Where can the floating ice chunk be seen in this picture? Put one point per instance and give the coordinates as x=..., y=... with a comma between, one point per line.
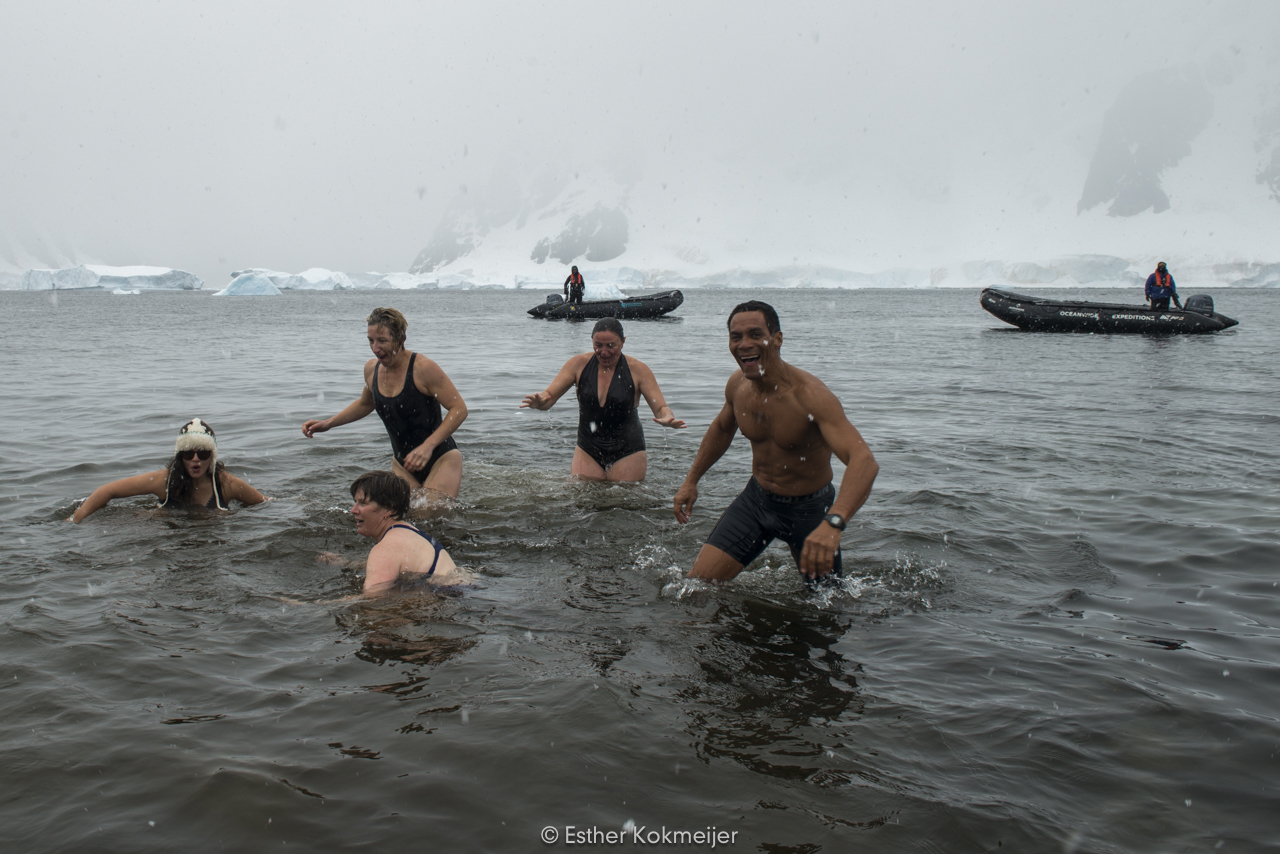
x=97, y=276
x=314, y=279
x=147, y=278
x=602, y=290
x=37, y=280
x=77, y=277
x=365, y=280
x=249, y=285
x=320, y=279
x=121, y=292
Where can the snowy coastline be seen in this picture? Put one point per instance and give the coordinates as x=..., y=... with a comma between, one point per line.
x=1091, y=271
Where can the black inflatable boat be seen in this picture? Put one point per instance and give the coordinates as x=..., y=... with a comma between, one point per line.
x=652, y=305
x=1046, y=315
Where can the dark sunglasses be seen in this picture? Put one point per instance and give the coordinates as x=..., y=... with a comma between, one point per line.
x=190, y=455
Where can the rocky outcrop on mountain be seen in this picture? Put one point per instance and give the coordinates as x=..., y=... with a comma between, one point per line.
x=600, y=234
x=1147, y=130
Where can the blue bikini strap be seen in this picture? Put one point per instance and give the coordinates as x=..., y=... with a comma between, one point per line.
x=435, y=544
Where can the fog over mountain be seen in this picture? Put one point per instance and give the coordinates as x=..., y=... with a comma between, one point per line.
x=505, y=141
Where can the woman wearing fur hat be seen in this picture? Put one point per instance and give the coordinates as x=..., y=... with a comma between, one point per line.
x=193, y=478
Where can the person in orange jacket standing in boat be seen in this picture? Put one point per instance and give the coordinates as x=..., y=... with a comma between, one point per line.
x=574, y=287
x=1160, y=289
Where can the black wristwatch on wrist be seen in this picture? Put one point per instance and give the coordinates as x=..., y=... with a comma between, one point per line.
x=835, y=520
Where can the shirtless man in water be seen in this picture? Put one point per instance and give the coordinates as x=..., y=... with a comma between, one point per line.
x=794, y=424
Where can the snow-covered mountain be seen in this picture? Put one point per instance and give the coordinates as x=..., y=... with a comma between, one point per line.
x=1182, y=165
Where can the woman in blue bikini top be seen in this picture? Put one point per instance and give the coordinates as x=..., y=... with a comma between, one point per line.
x=400, y=549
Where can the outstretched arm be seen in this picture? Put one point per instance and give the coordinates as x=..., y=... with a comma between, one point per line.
x=818, y=555
x=433, y=381
x=716, y=441
x=354, y=411
x=563, y=381
x=647, y=385
x=153, y=483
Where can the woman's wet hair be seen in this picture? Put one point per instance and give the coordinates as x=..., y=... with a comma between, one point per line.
x=393, y=320
x=608, y=324
x=385, y=489
x=770, y=316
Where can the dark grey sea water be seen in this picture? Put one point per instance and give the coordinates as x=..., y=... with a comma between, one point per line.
x=1059, y=632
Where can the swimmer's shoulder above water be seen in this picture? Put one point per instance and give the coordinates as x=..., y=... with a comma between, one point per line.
x=193, y=478
x=401, y=552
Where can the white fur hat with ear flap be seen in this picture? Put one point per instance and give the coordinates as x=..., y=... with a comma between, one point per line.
x=195, y=435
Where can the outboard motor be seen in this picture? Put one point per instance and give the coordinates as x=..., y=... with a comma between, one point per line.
x=554, y=300
x=1200, y=303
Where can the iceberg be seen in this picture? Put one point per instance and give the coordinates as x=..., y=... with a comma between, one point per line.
x=366, y=280
x=147, y=278
x=37, y=280
x=249, y=285
x=601, y=290
x=320, y=279
x=315, y=279
x=49, y=280
x=78, y=277
x=98, y=276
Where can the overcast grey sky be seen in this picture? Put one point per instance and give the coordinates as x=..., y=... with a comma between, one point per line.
x=288, y=135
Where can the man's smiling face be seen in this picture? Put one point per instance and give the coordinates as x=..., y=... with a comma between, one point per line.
x=751, y=343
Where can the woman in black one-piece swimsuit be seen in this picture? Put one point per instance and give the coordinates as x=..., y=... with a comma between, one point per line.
x=421, y=436
x=610, y=436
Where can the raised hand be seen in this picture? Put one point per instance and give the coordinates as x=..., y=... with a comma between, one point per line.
x=540, y=401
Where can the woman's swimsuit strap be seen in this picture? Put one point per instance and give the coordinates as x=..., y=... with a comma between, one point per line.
x=435, y=544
